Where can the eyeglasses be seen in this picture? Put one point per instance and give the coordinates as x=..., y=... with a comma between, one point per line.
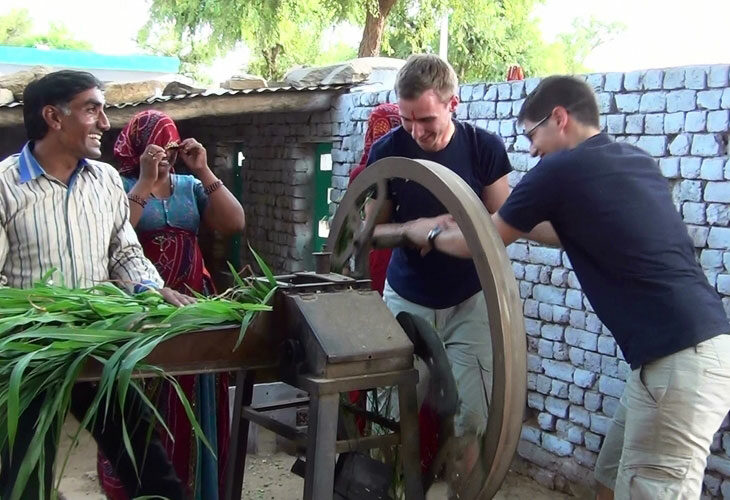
x=530, y=132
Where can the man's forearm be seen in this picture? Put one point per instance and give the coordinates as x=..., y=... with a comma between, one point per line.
x=389, y=235
x=544, y=233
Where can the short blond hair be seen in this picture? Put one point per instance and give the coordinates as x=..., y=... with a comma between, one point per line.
x=423, y=72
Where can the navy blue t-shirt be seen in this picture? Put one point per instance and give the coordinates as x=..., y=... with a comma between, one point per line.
x=437, y=280
x=613, y=212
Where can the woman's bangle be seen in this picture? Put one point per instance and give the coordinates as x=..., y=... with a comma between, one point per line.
x=137, y=199
x=213, y=186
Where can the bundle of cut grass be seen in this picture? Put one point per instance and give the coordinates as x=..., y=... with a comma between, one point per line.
x=48, y=333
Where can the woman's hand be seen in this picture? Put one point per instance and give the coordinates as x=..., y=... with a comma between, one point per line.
x=194, y=156
x=149, y=162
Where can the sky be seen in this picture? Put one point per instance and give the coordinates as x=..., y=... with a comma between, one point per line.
x=659, y=33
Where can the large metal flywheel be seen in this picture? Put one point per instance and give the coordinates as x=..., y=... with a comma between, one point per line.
x=350, y=238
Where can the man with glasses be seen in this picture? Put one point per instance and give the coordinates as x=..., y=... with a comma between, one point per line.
x=613, y=212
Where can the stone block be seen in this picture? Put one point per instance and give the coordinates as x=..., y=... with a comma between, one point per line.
x=504, y=91
x=575, y=394
x=534, y=363
x=718, y=121
x=545, y=312
x=549, y=294
x=718, y=191
x=545, y=348
x=693, y=213
x=680, y=145
x=544, y=384
x=576, y=355
x=718, y=76
x=531, y=434
x=652, y=79
x=706, y=145
x=552, y=332
x=557, y=446
x=653, y=102
x=584, y=378
x=579, y=416
x=593, y=441
x=532, y=327
x=575, y=434
x=681, y=100
x=696, y=77
x=711, y=259
x=719, y=464
x=592, y=362
x=655, y=145
x=560, y=351
x=609, y=366
x=696, y=121
x=709, y=99
x=712, y=169
x=561, y=315
x=544, y=255
x=674, y=78
x=574, y=298
x=558, y=369
x=610, y=386
x=585, y=457
x=557, y=407
x=482, y=109
x=628, y=103
x=615, y=124
x=581, y=338
x=690, y=190
x=654, y=124
x=605, y=103
x=593, y=401
x=613, y=82
x=717, y=214
x=577, y=319
x=600, y=424
x=559, y=390
x=632, y=80
x=546, y=421
x=674, y=123
x=536, y=401
x=698, y=234
x=607, y=345
x=609, y=405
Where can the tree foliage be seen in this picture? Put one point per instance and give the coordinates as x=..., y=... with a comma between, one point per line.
x=16, y=30
x=485, y=36
x=280, y=33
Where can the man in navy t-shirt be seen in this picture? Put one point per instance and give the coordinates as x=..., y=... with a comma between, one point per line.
x=442, y=289
x=613, y=212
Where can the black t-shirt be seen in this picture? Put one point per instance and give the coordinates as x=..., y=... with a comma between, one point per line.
x=438, y=280
x=613, y=212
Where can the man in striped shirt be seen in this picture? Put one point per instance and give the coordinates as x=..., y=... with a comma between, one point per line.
x=61, y=209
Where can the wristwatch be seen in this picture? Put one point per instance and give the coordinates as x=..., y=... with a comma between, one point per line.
x=432, y=234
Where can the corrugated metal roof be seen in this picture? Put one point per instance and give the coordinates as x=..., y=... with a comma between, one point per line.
x=215, y=93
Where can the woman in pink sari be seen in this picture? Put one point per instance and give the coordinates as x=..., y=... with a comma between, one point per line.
x=166, y=210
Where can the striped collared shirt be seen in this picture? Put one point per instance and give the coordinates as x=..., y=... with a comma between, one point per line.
x=82, y=229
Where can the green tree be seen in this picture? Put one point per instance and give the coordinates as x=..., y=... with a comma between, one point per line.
x=280, y=33
x=568, y=53
x=485, y=36
x=16, y=30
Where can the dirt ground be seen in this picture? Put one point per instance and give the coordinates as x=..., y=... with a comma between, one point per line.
x=266, y=478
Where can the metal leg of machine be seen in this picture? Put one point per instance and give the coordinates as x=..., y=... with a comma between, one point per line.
x=409, y=440
x=239, y=435
x=321, y=442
